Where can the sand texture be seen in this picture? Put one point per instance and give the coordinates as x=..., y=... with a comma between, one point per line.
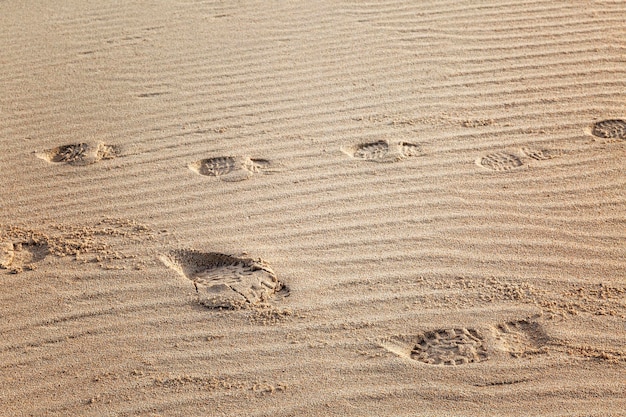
x=313, y=208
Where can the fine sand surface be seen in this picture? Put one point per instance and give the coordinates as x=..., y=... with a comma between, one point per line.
x=313, y=208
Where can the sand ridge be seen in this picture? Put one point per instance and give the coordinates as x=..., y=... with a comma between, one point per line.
x=442, y=232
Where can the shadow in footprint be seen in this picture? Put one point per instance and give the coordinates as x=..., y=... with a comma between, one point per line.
x=17, y=257
x=542, y=154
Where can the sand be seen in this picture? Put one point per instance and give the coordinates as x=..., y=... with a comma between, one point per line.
x=328, y=208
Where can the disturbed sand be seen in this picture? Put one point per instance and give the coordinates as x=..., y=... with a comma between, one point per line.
x=342, y=208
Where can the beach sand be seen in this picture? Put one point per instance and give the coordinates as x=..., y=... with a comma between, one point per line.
x=329, y=208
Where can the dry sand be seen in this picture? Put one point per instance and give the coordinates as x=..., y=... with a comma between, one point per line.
x=395, y=208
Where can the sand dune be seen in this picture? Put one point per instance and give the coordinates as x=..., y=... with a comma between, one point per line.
x=270, y=208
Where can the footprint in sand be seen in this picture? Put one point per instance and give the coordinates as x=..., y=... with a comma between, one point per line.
x=225, y=281
x=520, y=338
x=542, y=154
x=382, y=151
x=460, y=346
x=450, y=347
x=454, y=346
x=609, y=129
x=500, y=161
x=17, y=257
x=230, y=168
x=79, y=153
x=507, y=161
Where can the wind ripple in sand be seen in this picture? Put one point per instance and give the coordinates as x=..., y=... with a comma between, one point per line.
x=287, y=79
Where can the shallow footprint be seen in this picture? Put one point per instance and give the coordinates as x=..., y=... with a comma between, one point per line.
x=500, y=161
x=520, y=338
x=225, y=281
x=542, y=154
x=372, y=150
x=79, y=153
x=450, y=347
x=383, y=151
x=230, y=168
x=612, y=128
